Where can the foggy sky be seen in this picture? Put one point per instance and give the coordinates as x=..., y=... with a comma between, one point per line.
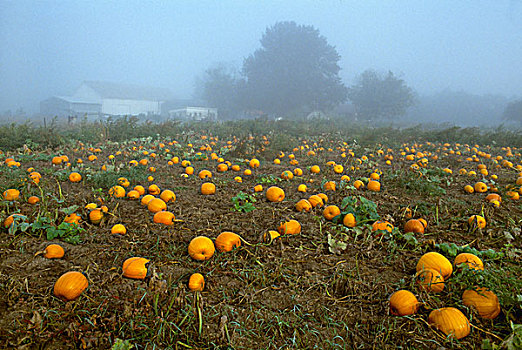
x=49, y=47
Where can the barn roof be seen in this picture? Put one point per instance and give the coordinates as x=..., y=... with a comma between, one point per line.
x=128, y=92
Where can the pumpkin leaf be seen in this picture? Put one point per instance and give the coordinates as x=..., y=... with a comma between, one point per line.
x=336, y=246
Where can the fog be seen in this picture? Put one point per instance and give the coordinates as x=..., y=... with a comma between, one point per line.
x=48, y=48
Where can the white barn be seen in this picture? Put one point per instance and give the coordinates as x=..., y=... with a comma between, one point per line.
x=194, y=113
x=106, y=98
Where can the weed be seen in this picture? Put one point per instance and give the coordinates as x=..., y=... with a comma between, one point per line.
x=243, y=202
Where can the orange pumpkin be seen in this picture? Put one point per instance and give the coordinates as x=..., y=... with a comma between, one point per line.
x=349, y=220
x=484, y=301
x=469, y=259
x=331, y=211
x=430, y=280
x=196, y=282
x=227, y=241
x=477, y=221
x=403, y=303
x=208, y=188
x=54, y=251
x=437, y=262
x=70, y=285
x=275, y=194
x=11, y=194
x=136, y=268
x=450, y=321
x=95, y=216
x=316, y=201
x=33, y=200
x=75, y=177
x=374, y=186
x=164, y=217
x=146, y=199
x=303, y=205
x=291, y=227
x=156, y=204
x=201, y=248
x=414, y=226
x=118, y=229
x=168, y=196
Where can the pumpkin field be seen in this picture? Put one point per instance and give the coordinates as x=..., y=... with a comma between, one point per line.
x=259, y=235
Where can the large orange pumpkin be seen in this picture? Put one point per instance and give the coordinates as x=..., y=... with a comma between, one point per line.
x=201, y=248
x=70, y=285
x=484, y=301
x=275, y=194
x=403, y=303
x=450, y=321
x=227, y=241
x=469, y=259
x=136, y=268
x=291, y=227
x=437, y=262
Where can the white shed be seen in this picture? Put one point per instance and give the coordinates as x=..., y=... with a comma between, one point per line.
x=123, y=99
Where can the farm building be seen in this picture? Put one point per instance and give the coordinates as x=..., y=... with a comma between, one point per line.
x=194, y=113
x=106, y=98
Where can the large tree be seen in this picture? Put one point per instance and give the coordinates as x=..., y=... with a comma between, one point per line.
x=513, y=111
x=219, y=88
x=380, y=96
x=294, y=70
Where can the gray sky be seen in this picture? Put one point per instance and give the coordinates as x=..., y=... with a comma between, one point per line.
x=49, y=47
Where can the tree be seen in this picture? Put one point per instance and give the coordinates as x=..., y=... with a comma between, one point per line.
x=219, y=87
x=294, y=70
x=380, y=96
x=513, y=111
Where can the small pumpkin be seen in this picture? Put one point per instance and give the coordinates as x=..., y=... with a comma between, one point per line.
x=11, y=194
x=33, y=200
x=331, y=212
x=54, y=251
x=414, y=226
x=96, y=216
x=168, y=196
x=349, y=220
x=450, y=321
x=437, y=262
x=477, y=221
x=469, y=259
x=303, y=205
x=208, y=188
x=403, y=303
x=118, y=229
x=196, y=282
x=201, y=248
x=75, y=177
x=484, y=301
x=117, y=191
x=226, y=241
x=136, y=268
x=270, y=236
x=316, y=201
x=374, y=185
x=70, y=285
x=291, y=227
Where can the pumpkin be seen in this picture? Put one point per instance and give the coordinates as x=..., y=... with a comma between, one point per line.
x=140, y=189
x=303, y=205
x=291, y=227
x=381, y=225
x=338, y=169
x=270, y=236
x=11, y=194
x=358, y=184
x=349, y=220
x=403, y=303
x=331, y=211
x=494, y=197
x=316, y=201
x=480, y=187
x=54, y=251
x=275, y=194
x=154, y=190
x=437, y=262
x=118, y=229
x=57, y=160
x=164, y=217
x=133, y=194
x=123, y=181
x=469, y=259
x=146, y=199
x=469, y=189
x=117, y=191
x=196, y=282
x=201, y=248
x=96, y=216
x=414, y=226
x=168, y=196
x=33, y=200
x=484, y=301
x=315, y=169
x=70, y=285
x=222, y=167
x=287, y=175
x=136, y=268
x=156, y=204
x=208, y=188
x=298, y=172
x=477, y=221
x=450, y=321
x=254, y=163
x=227, y=241
x=75, y=177
x=203, y=174
x=374, y=185
x=430, y=280
x=329, y=186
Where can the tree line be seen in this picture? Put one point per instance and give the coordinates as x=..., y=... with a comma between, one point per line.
x=296, y=71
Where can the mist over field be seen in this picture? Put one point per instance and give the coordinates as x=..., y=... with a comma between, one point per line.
x=406, y=61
